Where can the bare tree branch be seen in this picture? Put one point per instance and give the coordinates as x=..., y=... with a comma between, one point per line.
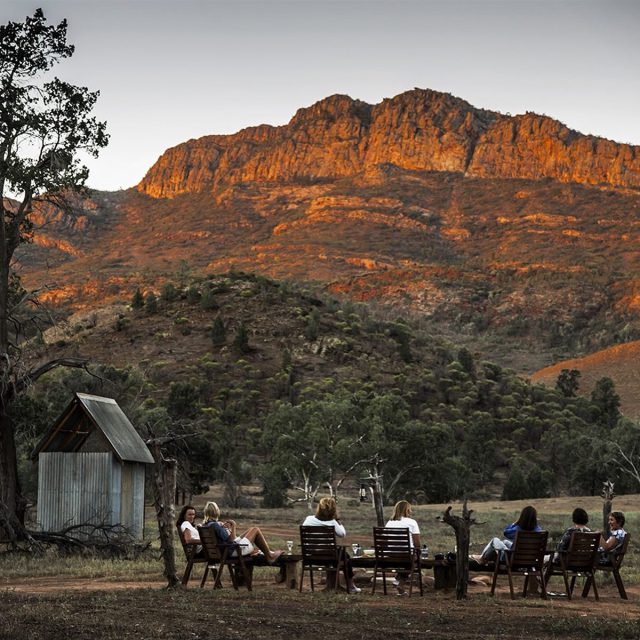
x=32, y=375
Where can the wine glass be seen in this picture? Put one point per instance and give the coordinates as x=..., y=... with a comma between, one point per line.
x=289, y=546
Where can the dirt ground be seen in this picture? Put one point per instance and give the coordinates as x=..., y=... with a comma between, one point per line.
x=51, y=608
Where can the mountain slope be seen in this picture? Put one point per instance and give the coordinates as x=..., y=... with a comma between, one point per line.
x=516, y=236
x=621, y=363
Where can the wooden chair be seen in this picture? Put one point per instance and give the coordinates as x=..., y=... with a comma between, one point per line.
x=613, y=564
x=192, y=556
x=394, y=553
x=220, y=554
x=579, y=560
x=526, y=557
x=320, y=551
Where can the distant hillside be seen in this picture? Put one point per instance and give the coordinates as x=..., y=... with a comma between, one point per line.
x=245, y=362
x=515, y=235
x=620, y=363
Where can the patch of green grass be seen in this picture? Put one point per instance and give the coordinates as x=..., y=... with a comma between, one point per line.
x=22, y=565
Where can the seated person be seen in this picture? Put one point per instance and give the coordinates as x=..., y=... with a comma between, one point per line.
x=327, y=516
x=186, y=524
x=527, y=521
x=401, y=520
x=613, y=543
x=580, y=518
x=247, y=542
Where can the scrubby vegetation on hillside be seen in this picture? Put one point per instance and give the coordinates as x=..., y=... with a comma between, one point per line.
x=307, y=395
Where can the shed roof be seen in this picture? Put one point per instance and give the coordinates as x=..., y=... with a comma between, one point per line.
x=70, y=430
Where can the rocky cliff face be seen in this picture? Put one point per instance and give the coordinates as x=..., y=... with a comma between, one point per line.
x=418, y=130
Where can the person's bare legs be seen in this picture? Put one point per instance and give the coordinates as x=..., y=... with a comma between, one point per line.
x=256, y=537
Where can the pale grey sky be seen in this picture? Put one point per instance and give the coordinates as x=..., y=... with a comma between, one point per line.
x=173, y=70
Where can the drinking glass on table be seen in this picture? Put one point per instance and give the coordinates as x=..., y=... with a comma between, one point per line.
x=356, y=548
x=289, y=546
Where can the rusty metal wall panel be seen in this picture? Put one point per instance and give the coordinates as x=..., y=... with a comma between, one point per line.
x=132, y=506
x=74, y=488
x=138, y=497
x=126, y=506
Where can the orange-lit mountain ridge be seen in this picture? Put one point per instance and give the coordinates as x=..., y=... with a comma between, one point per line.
x=420, y=130
x=515, y=235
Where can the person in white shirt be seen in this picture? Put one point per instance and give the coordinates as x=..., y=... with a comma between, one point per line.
x=616, y=538
x=186, y=521
x=401, y=520
x=247, y=542
x=327, y=516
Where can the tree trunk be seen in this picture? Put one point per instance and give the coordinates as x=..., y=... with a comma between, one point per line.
x=462, y=528
x=376, y=489
x=165, y=473
x=10, y=492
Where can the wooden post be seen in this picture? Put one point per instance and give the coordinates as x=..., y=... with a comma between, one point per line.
x=608, y=495
x=462, y=528
x=165, y=474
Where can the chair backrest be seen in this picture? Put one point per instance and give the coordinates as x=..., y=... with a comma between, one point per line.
x=583, y=550
x=210, y=544
x=188, y=549
x=392, y=545
x=318, y=545
x=528, y=549
x=617, y=556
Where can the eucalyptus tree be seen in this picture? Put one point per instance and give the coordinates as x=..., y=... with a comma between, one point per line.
x=45, y=124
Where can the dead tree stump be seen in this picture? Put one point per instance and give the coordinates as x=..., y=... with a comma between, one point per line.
x=165, y=471
x=607, y=495
x=462, y=527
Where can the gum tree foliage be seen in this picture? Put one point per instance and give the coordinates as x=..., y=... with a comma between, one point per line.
x=568, y=382
x=311, y=443
x=44, y=124
x=604, y=396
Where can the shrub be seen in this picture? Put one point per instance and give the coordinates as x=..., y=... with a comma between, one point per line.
x=137, y=301
x=218, y=332
x=168, y=293
x=313, y=325
x=208, y=300
x=151, y=303
x=193, y=295
x=241, y=340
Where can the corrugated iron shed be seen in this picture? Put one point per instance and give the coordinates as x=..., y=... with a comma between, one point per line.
x=84, y=414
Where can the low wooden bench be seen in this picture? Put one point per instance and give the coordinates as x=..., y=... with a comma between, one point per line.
x=287, y=565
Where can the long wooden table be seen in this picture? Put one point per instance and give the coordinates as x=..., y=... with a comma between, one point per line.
x=444, y=574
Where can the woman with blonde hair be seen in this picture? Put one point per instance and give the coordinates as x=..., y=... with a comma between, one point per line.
x=327, y=516
x=401, y=520
x=226, y=532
